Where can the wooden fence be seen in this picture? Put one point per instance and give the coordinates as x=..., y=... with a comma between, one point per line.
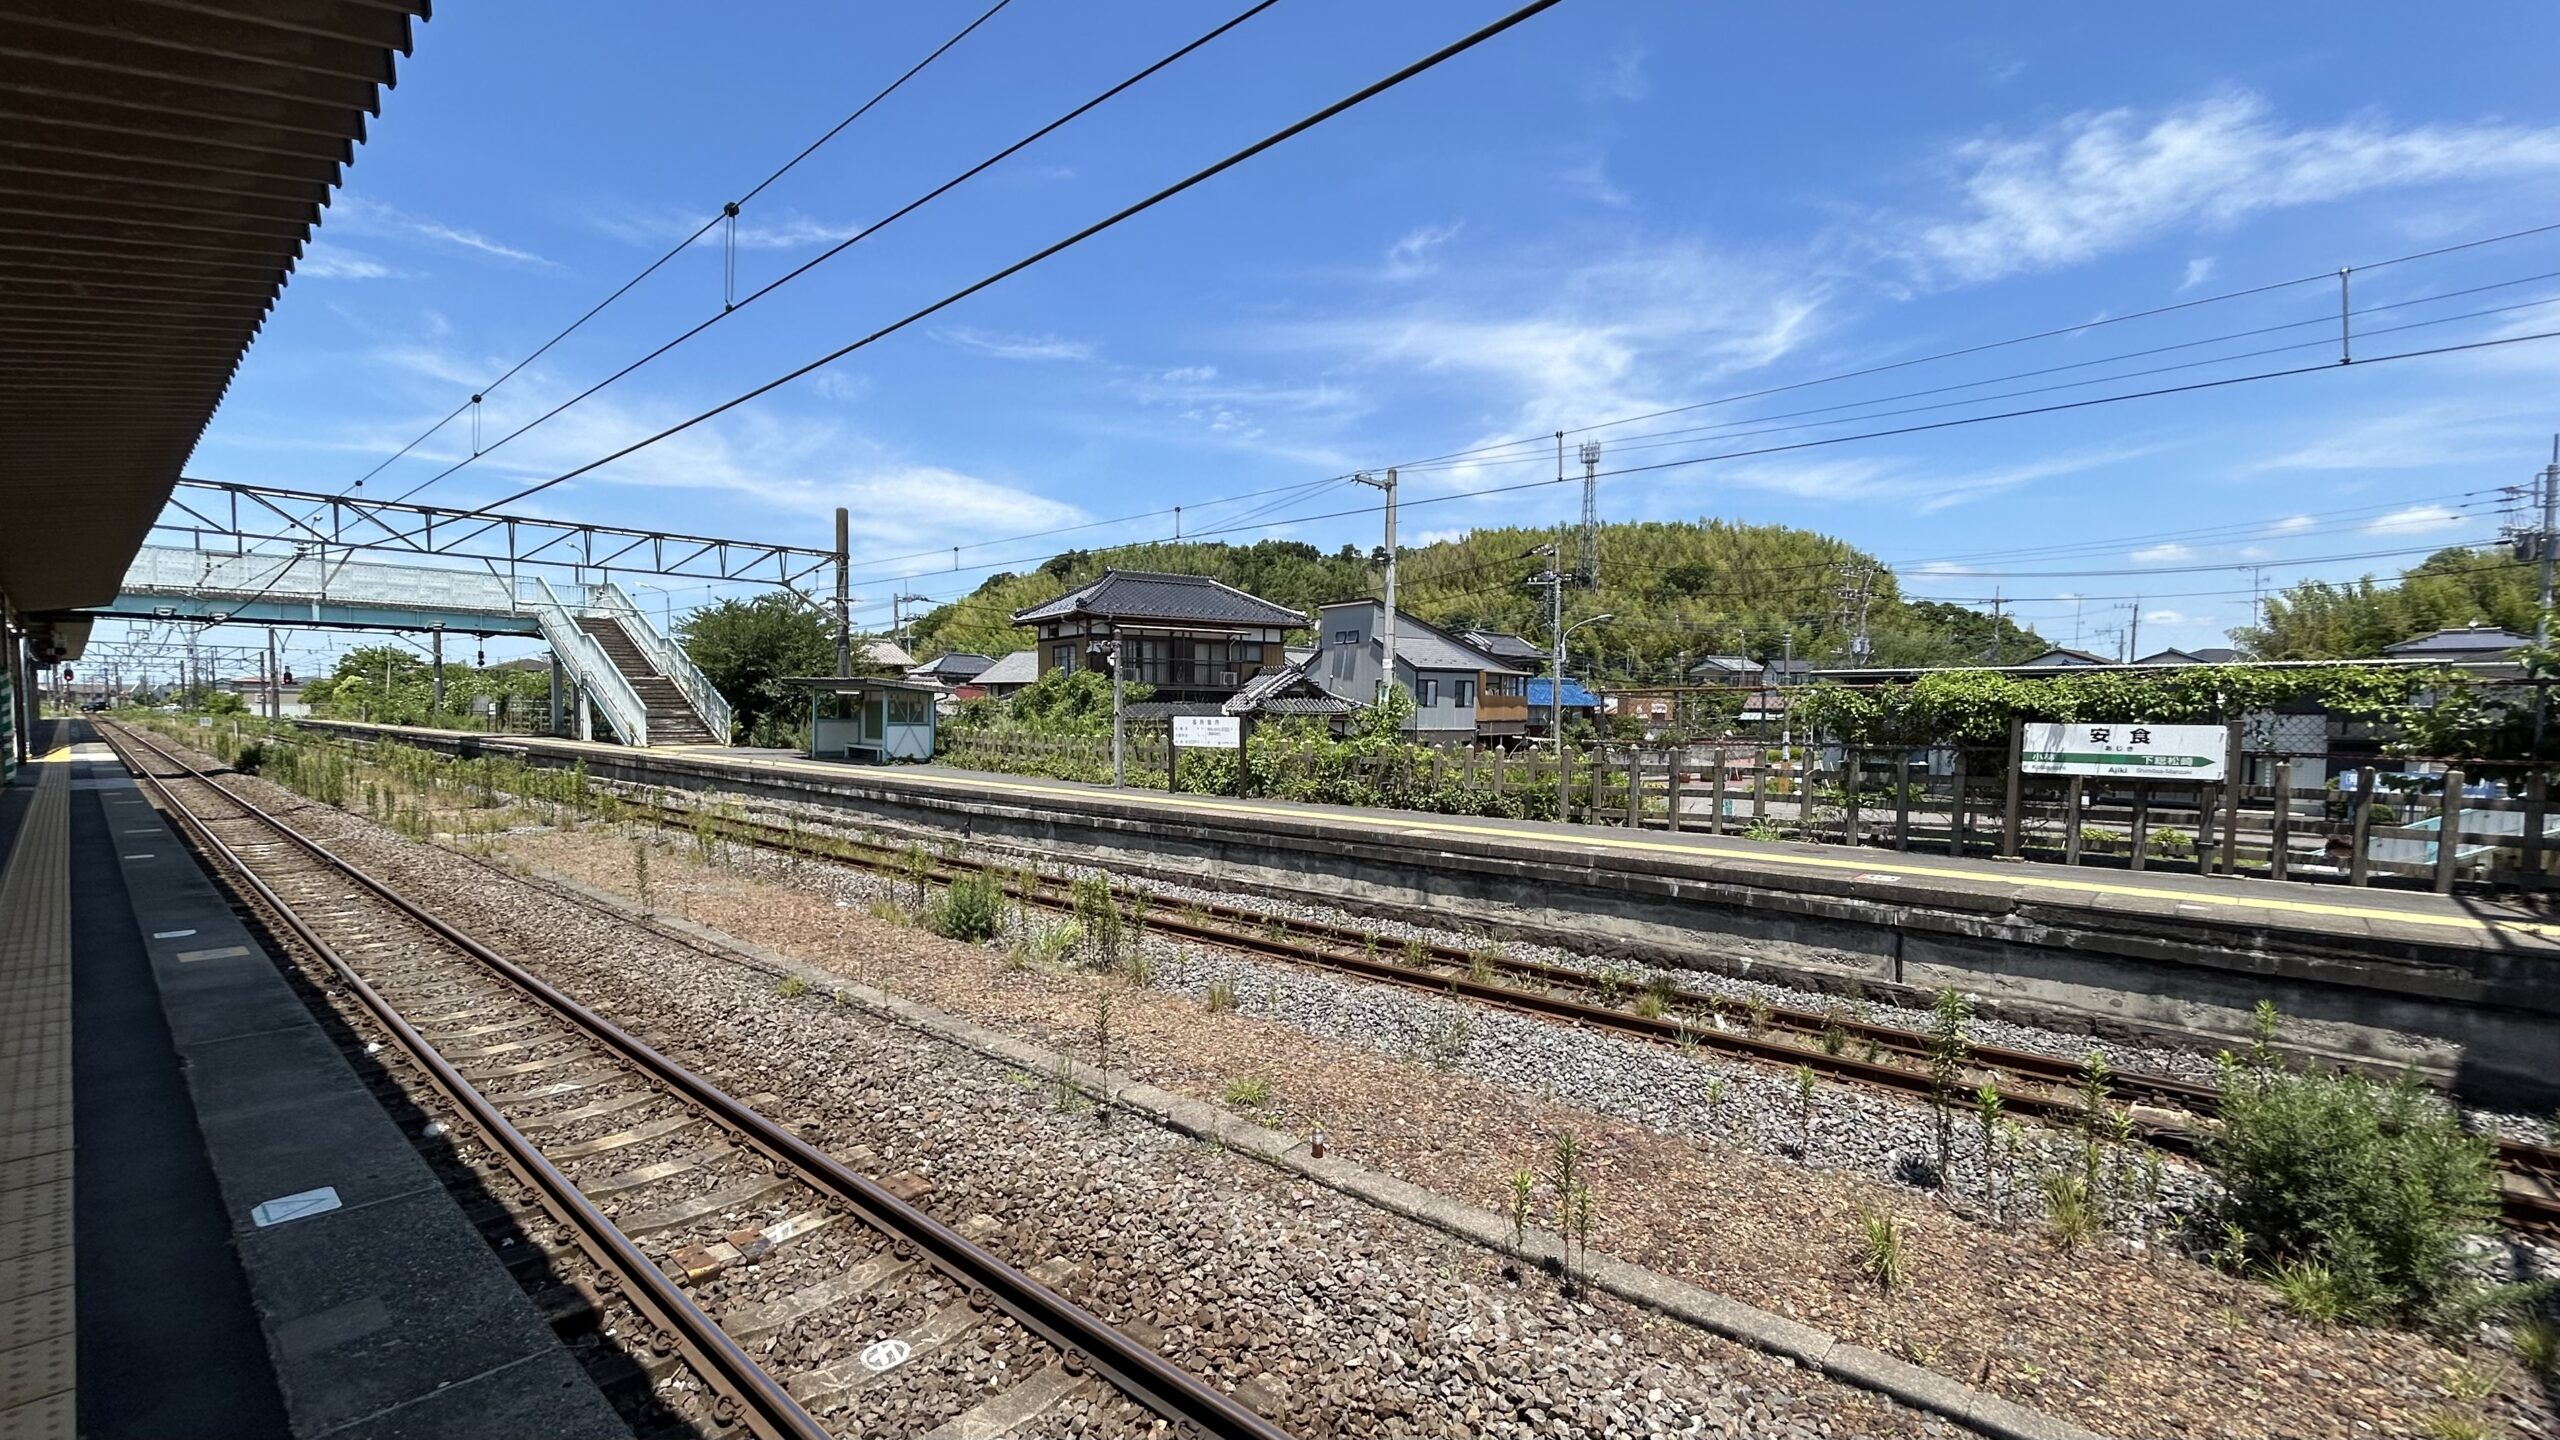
x=1928, y=799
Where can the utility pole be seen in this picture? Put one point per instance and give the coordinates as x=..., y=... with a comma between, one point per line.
x=1387, y=630
x=1553, y=583
x=1110, y=650
x=2542, y=611
x=1862, y=597
x=898, y=614
x=436, y=710
x=275, y=684
x=1588, y=574
x=1991, y=647
x=844, y=593
x=2133, y=631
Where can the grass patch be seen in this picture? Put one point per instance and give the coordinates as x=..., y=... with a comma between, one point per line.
x=1249, y=1093
x=1880, y=1256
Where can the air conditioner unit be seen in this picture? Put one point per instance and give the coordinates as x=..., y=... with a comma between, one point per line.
x=1227, y=677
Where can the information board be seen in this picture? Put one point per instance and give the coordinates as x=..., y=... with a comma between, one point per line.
x=1208, y=732
x=2126, y=752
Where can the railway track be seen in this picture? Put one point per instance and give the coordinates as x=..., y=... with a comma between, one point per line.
x=2167, y=1110
x=723, y=1228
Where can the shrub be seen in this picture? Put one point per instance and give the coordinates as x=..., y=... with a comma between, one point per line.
x=2070, y=1208
x=2538, y=1345
x=2174, y=843
x=1250, y=1093
x=2376, y=1184
x=792, y=988
x=2311, y=1290
x=1880, y=1256
x=972, y=909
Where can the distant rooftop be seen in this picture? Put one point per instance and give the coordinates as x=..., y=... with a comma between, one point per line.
x=1019, y=668
x=1154, y=595
x=1503, y=645
x=2468, y=640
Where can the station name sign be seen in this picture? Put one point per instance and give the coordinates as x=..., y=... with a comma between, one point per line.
x=1208, y=732
x=2126, y=752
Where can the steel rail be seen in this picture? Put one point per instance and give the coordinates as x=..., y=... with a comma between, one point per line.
x=1084, y=1338
x=761, y=1401
x=2529, y=1193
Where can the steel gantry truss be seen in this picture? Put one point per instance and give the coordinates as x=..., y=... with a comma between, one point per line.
x=229, y=516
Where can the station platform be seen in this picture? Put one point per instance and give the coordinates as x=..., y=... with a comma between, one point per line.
x=211, y=1225
x=2310, y=908
x=2465, y=988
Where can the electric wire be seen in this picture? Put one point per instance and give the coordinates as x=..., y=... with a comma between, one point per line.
x=840, y=247
x=1126, y=213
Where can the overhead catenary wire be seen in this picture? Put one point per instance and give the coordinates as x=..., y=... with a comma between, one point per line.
x=841, y=246
x=726, y=212
x=1543, y=443
x=2057, y=407
x=1128, y=212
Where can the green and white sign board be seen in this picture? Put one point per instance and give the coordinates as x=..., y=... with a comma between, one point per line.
x=2126, y=752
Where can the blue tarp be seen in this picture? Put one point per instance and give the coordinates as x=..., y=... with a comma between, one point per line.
x=1542, y=695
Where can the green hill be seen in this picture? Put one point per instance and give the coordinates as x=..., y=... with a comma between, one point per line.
x=1676, y=589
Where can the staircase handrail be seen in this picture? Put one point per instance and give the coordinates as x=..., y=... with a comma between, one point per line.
x=590, y=665
x=669, y=660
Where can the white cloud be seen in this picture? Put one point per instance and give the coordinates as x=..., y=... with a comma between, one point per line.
x=1590, y=179
x=360, y=216
x=2165, y=617
x=2199, y=270
x=1530, y=344
x=340, y=263
x=1925, y=487
x=1189, y=375
x=2257, y=552
x=1017, y=347
x=1624, y=77
x=2162, y=554
x=781, y=229
x=2417, y=438
x=2290, y=524
x=1410, y=255
x=2414, y=520
x=775, y=471
x=2102, y=181
x=1433, y=537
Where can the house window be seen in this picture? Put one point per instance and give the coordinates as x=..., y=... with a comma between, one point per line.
x=1430, y=692
x=1062, y=657
x=1346, y=637
x=1466, y=692
x=1244, y=652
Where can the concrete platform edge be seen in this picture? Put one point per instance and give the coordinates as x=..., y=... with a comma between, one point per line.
x=334, y=1292
x=1815, y=1349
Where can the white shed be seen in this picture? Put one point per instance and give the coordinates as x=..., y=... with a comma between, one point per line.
x=862, y=718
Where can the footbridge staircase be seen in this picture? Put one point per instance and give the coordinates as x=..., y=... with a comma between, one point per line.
x=637, y=680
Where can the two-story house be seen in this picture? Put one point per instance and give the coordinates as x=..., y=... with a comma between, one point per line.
x=1446, y=676
x=1189, y=636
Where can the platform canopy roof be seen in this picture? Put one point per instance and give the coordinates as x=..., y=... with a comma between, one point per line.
x=162, y=163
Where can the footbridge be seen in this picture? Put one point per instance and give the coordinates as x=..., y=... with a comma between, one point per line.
x=617, y=664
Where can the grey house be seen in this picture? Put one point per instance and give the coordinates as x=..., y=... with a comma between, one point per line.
x=1459, y=692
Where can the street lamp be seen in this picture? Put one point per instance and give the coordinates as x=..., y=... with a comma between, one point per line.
x=1564, y=772
x=666, y=603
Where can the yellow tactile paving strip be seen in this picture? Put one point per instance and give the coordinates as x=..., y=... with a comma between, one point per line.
x=37, y=1337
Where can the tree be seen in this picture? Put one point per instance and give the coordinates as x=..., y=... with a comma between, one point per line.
x=746, y=646
x=2352, y=620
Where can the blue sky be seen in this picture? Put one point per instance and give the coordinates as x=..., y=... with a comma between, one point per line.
x=1616, y=209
